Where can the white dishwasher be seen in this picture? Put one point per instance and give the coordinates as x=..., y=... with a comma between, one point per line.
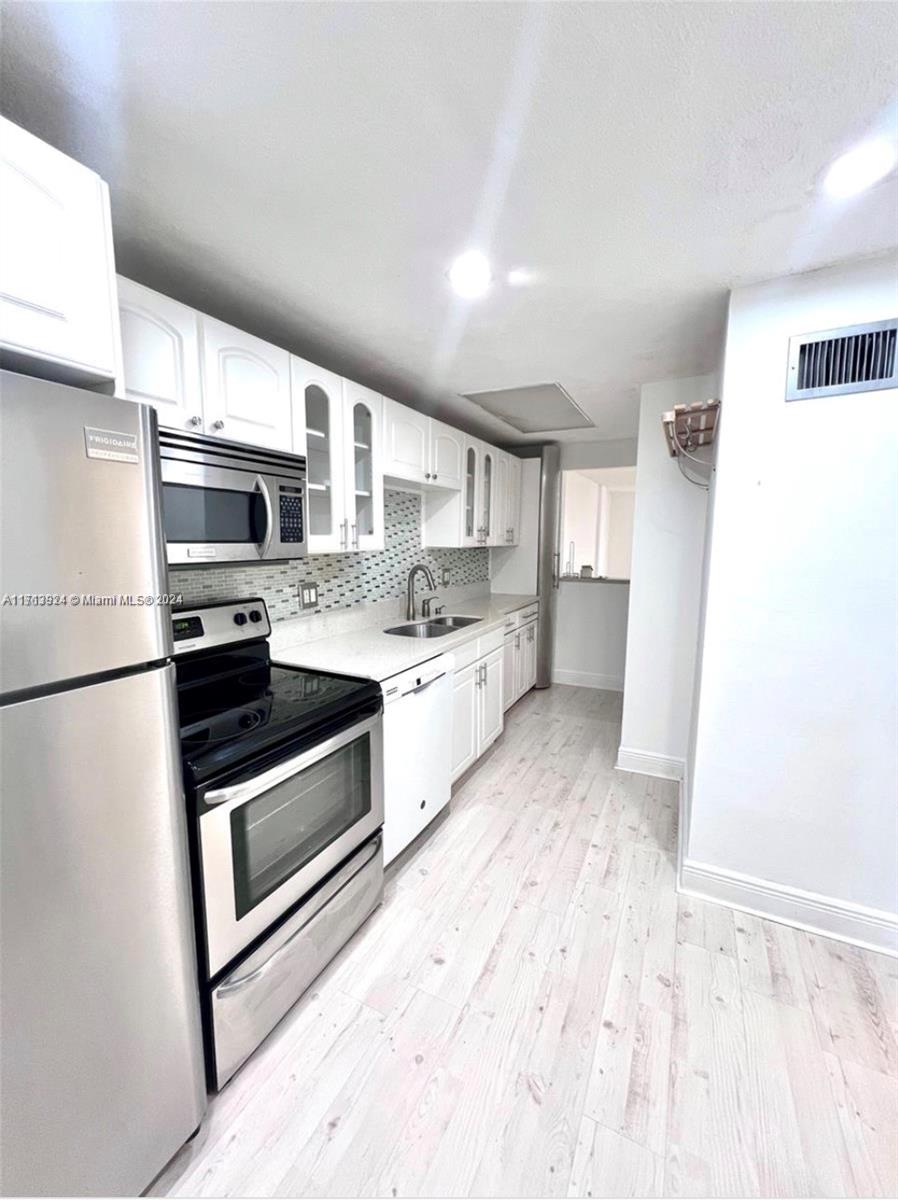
x=417, y=750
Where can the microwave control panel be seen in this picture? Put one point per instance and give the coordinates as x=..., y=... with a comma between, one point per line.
x=291, y=514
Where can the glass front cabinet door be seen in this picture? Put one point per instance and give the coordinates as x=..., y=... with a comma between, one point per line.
x=363, y=449
x=318, y=434
x=487, y=497
x=471, y=514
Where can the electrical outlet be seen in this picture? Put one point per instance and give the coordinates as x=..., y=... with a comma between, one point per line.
x=308, y=595
x=445, y=576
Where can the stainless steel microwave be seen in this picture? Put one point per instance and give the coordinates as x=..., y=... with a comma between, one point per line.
x=227, y=502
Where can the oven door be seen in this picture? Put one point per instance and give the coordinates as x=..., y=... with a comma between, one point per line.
x=266, y=840
x=217, y=514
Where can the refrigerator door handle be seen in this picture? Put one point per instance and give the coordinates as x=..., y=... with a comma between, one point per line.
x=556, y=569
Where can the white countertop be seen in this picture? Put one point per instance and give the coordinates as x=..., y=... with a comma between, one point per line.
x=373, y=654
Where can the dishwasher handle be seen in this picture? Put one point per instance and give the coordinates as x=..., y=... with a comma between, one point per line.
x=422, y=687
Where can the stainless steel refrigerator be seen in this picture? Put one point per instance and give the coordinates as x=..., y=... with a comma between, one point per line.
x=101, y=1070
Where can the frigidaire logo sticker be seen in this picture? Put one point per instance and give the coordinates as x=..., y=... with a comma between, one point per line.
x=111, y=445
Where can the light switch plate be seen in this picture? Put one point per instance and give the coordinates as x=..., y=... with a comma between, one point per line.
x=308, y=595
x=445, y=576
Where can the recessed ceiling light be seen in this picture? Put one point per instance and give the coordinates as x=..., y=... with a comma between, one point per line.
x=520, y=277
x=861, y=167
x=470, y=274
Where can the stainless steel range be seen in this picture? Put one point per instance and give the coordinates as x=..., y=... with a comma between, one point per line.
x=283, y=771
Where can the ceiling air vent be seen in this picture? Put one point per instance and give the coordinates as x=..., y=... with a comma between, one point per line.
x=860, y=358
x=534, y=408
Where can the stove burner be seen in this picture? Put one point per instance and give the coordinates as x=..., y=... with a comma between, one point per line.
x=237, y=707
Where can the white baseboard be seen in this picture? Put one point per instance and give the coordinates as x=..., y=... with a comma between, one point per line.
x=644, y=762
x=588, y=679
x=868, y=927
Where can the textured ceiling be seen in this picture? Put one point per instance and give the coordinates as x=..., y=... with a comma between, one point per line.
x=309, y=170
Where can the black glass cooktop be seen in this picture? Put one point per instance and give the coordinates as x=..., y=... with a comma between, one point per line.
x=238, y=706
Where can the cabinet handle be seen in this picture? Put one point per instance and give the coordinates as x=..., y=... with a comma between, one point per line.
x=434, y=476
x=426, y=474
x=517, y=641
x=355, y=536
x=218, y=424
x=195, y=422
x=344, y=534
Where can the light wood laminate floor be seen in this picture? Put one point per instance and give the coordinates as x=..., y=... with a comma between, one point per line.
x=535, y=1012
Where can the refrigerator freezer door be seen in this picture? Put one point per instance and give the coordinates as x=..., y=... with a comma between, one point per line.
x=548, y=566
x=101, y=1068
x=79, y=515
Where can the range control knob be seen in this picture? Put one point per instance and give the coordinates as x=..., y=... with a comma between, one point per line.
x=240, y=618
x=255, y=616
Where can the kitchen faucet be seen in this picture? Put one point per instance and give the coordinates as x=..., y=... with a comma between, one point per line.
x=410, y=613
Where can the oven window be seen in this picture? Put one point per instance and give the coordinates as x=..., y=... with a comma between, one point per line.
x=203, y=514
x=274, y=835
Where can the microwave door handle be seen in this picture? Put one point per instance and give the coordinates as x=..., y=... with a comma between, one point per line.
x=262, y=485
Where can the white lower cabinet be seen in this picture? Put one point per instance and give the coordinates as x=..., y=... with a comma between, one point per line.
x=527, y=658
x=491, y=711
x=464, y=718
x=477, y=713
x=518, y=658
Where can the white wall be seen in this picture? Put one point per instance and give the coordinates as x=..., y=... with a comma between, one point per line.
x=618, y=507
x=612, y=452
x=513, y=568
x=590, y=634
x=665, y=591
x=579, y=521
x=795, y=776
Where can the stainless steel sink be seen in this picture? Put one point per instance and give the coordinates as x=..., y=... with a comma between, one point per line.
x=420, y=629
x=434, y=627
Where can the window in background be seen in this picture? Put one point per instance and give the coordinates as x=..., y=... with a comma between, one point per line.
x=597, y=522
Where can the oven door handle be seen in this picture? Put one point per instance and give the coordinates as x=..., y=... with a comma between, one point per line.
x=235, y=985
x=262, y=485
x=239, y=793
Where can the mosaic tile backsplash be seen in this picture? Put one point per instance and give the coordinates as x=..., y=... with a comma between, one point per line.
x=343, y=579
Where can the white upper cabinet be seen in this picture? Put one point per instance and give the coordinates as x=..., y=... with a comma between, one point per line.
x=363, y=455
x=57, y=272
x=447, y=452
x=246, y=387
x=471, y=515
x=499, y=529
x=406, y=442
x=419, y=449
x=513, y=501
x=161, y=355
x=318, y=433
x=489, y=522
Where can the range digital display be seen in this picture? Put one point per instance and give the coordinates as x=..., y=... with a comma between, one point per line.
x=186, y=627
